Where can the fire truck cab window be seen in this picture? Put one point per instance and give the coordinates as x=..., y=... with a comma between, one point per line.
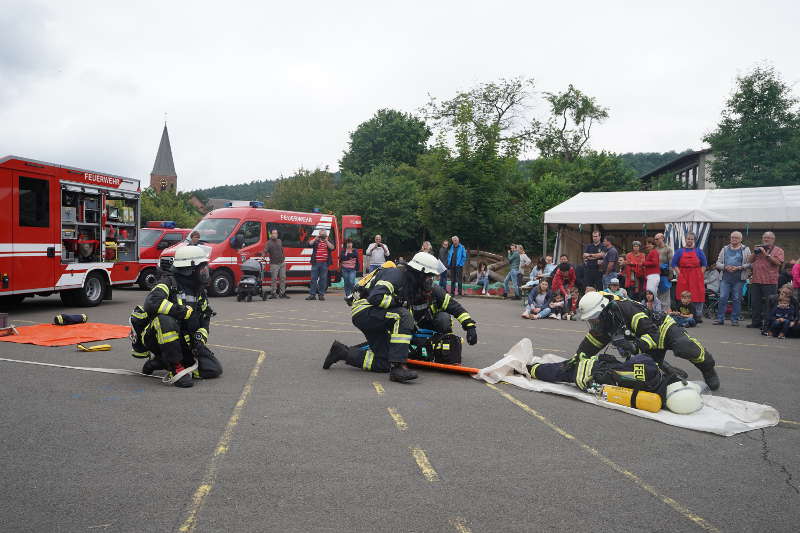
x=354, y=234
x=34, y=202
x=216, y=230
x=170, y=239
x=251, y=231
x=292, y=235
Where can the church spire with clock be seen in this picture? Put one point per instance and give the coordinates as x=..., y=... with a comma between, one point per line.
x=163, y=176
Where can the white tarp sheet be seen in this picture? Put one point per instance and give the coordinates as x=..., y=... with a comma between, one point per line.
x=719, y=415
x=753, y=205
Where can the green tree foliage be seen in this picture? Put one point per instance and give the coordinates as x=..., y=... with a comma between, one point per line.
x=644, y=162
x=254, y=190
x=304, y=191
x=167, y=205
x=490, y=118
x=757, y=141
x=389, y=138
x=566, y=133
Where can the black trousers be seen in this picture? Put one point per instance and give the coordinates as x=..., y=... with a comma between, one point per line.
x=388, y=333
x=759, y=296
x=455, y=277
x=440, y=323
x=163, y=339
x=593, y=278
x=685, y=347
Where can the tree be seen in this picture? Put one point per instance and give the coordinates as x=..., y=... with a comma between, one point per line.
x=304, y=191
x=566, y=133
x=389, y=138
x=167, y=205
x=757, y=141
x=491, y=117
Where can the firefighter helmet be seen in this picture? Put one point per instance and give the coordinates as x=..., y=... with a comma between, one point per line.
x=189, y=256
x=425, y=263
x=591, y=305
x=683, y=399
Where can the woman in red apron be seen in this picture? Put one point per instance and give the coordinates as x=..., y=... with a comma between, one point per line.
x=691, y=263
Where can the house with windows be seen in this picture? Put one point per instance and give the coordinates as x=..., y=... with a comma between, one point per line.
x=692, y=170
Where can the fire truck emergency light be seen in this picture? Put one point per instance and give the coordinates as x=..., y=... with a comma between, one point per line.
x=169, y=224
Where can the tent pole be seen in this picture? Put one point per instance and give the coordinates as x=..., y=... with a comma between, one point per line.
x=544, y=241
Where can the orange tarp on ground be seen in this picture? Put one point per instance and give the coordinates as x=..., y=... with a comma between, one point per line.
x=52, y=335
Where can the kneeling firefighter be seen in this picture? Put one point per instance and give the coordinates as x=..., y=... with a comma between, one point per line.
x=171, y=328
x=380, y=313
x=633, y=328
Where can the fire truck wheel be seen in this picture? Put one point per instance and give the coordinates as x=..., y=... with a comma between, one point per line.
x=147, y=279
x=221, y=284
x=94, y=288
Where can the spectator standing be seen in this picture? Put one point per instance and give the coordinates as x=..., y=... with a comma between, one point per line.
x=456, y=258
x=349, y=267
x=796, y=278
x=538, y=302
x=426, y=247
x=277, y=265
x=378, y=253
x=609, y=264
x=634, y=271
x=652, y=266
x=320, y=261
x=690, y=262
x=513, y=261
x=665, y=255
x=524, y=264
x=766, y=261
x=734, y=262
x=483, y=276
x=443, y=251
x=592, y=254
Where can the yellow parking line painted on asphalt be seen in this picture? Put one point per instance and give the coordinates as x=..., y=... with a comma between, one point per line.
x=298, y=329
x=26, y=321
x=424, y=464
x=207, y=484
x=773, y=346
x=460, y=524
x=398, y=419
x=790, y=422
x=733, y=367
x=378, y=388
x=679, y=508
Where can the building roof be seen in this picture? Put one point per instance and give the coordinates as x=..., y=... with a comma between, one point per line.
x=679, y=163
x=164, y=166
x=745, y=205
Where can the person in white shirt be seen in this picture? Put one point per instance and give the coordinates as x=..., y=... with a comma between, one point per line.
x=378, y=253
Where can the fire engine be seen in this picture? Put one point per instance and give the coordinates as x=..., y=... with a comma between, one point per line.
x=235, y=234
x=155, y=237
x=66, y=230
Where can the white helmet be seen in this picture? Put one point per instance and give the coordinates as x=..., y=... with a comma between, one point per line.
x=426, y=264
x=189, y=256
x=683, y=399
x=591, y=305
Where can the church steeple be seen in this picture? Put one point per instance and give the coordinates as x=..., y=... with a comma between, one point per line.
x=163, y=176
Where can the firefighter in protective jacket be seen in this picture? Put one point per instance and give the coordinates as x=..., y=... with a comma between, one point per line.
x=634, y=329
x=171, y=329
x=381, y=314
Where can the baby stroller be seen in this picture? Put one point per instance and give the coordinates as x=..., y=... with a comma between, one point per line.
x=252, y=280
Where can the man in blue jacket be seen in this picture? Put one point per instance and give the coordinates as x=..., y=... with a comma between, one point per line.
x=456, y=258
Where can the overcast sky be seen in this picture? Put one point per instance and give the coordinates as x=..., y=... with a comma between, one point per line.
x=259, y=89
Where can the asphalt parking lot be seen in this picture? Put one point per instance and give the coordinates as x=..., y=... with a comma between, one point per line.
x=279, y=444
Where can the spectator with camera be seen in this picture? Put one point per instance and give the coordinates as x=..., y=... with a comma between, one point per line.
x=766, y=261
x=665, y=255
x=734, y=262
x=378, y=253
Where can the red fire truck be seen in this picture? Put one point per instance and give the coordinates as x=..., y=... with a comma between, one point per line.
x=66, y=230
x=154, y=238
x=235, y=234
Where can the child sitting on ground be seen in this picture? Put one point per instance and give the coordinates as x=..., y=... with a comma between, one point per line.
x=572, y=304
x=652, y=303
x=557, y=306
x=780, y=319
x=683, y=314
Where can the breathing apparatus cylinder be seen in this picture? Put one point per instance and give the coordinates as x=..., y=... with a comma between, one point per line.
x=646, y=401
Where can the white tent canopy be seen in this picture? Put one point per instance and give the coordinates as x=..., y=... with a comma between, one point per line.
x=744, y=206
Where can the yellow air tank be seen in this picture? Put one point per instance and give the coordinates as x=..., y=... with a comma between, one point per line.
x=646, y=401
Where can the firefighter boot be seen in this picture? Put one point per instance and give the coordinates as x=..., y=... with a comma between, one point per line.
x=401, y=373
x=711, y=378
x=152, y=365
x=186, y=380
x=338, y=352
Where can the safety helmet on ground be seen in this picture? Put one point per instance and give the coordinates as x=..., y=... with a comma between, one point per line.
x=591, y=305
x=189, y=256
x=425, y=263
x=683, y=399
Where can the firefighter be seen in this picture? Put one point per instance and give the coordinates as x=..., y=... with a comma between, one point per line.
x=634, y=329
x=432, y=309
x=380, y=313
x=171, y=329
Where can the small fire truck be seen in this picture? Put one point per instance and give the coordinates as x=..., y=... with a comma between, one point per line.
x=154, y=238
x=67, y=230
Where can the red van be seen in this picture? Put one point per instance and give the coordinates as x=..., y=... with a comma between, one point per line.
x=234, y=234
x=154, y=238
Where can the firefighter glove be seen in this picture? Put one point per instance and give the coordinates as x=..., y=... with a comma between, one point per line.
x=472, y=336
